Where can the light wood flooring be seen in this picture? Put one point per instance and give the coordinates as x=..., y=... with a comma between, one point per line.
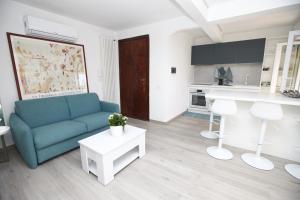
x=176, y=166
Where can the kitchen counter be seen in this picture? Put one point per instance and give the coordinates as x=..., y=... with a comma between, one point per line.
x=225, y=87
x=252, y=96
x=242, y=129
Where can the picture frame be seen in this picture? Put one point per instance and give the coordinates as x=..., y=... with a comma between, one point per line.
x=45, y=68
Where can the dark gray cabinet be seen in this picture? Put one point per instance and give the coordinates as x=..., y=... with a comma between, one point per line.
x=250, y=51
x=247, y=51
x=224, y=53
x=202, y=54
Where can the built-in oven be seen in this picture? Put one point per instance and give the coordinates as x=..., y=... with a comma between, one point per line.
x=198, y=100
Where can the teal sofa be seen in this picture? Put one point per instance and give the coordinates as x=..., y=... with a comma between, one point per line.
x=45, y=128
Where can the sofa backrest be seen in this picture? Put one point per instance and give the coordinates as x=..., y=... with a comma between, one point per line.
x=39, y=112
x=83, y=104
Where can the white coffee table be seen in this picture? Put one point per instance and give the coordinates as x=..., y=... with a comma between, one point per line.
x=105, y=155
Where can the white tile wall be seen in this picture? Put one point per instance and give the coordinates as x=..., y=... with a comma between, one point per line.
x=205, y=74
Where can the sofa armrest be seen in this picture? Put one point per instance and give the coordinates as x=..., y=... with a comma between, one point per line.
x=24, y=140
x=109, y=107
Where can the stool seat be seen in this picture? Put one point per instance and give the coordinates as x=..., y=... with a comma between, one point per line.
x=224, y=107
x=267, y=111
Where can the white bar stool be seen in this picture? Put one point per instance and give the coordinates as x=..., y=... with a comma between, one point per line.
x=210, y=134
x=223, y=108
x=265, y=112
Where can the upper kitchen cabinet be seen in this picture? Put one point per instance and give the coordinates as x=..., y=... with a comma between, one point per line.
x=203, y=54
x=224, y=53
x=248, y=51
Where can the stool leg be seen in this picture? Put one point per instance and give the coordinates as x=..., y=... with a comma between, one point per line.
x=221, y=133
x=209, y=134
x=255, y=160
x=218, y=151
x=261, y=137
x=211, y=119
x=4, y=150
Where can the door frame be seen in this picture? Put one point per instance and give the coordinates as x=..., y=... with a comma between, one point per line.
x=147, y=71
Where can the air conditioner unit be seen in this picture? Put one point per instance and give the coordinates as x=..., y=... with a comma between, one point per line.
x=48, y=29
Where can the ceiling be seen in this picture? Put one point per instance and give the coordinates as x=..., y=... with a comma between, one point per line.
x=122, y=14
x=211, y=3
x=284, y=17
x=218, y=17
x=112, y=14
x=194, y=32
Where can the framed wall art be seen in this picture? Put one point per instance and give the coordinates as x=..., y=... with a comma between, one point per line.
x=45, y=68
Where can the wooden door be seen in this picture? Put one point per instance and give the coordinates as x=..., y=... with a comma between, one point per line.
x=134, y=77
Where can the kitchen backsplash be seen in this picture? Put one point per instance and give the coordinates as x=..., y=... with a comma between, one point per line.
x=205, y=74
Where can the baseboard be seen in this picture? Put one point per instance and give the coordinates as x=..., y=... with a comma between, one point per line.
x=152, y=120
x=176, y=116
x=160, y=122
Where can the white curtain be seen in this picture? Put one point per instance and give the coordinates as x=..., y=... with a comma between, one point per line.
x=109, y=68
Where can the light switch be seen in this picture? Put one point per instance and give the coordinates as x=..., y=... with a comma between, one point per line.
x=173, y=70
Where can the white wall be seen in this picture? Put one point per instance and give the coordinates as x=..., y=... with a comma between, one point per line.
x=297, y=26
x=179, y=56
x=205, y=73
x=11, y=20
x=160, y=55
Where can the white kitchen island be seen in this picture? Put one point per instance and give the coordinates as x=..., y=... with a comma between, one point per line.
x=282, y=137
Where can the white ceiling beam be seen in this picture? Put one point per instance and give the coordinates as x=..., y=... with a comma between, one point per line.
x=197, y=11
x=230, y=10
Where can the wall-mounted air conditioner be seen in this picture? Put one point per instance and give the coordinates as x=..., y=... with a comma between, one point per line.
x=47, y=29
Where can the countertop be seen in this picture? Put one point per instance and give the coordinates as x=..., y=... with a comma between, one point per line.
x=252, y=96
x=215, y=86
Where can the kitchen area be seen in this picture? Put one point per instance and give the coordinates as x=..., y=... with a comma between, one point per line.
x=267, y=113
x=226, y=66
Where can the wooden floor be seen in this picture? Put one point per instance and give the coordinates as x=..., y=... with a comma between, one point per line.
x=176, y=166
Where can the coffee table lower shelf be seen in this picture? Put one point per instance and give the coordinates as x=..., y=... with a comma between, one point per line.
x=118, y=164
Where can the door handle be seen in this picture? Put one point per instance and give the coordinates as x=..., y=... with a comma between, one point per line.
x=143, y=84
x=143, y=81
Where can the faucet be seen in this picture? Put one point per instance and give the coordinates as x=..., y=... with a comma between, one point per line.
x=246, y=79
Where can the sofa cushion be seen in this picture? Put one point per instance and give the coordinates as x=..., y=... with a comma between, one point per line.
x=54, y=133
x=39, y=112
x=83, y=104
x=94, y=121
